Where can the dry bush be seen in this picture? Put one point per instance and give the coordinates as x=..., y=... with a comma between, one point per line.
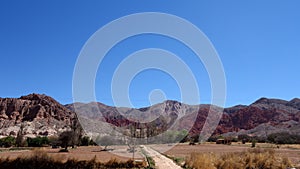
x=251, y=159
x=201, y=161
x=40, y=159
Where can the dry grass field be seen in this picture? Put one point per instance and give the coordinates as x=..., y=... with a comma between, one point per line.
x=184, y=152
x=80, y=153
x=292, y=152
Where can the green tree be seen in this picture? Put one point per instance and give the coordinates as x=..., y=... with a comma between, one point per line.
x=181, y=135
x=20, y=136
x=105, y=141
x=65, y=139
x=85, y=141
x=37, y=141
x=7, y=141
x=253, y=143
x=77, y=132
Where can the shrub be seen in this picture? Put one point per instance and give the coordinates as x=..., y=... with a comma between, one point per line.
x=63, y=150
x=253, y=143
x=244, y=138
x=54, y=142
x=212, y=139
x=65, y=139
x=284, y=138
x=38, y=141
x=7, y=141
x=85, y=141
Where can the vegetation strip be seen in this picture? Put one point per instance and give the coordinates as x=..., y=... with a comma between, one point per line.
x=150, y=161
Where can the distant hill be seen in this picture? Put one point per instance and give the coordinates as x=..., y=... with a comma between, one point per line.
x=44, y=116
x=263, y=117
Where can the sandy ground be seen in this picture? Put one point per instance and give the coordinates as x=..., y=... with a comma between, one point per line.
x=161, y=162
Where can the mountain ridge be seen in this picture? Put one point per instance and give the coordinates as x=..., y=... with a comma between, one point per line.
x=44, y=116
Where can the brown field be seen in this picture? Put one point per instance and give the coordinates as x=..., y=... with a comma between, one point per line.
x=292, y=152
x=179, y=151
x=80, y=153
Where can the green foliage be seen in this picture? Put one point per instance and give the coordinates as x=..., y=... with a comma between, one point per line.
x=180, y=135
x=65, y=139
x=53, y=141
x=212, y=139
x=234, y=139
x=284, y=138
x=244, y=138
x=253, y=143
x=171, y=137
x=20, y=137
x=7, y=141
x=193, y=138
x=105, y=141
x=151, y=162
x=92, y=142
x=85, y=141
x=37, y=141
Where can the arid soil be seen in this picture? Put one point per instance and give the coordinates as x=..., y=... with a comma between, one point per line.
x=180, y=150
x=184, y=150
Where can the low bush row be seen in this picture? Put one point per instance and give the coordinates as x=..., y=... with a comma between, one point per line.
x=276, y=138
x=38, y=141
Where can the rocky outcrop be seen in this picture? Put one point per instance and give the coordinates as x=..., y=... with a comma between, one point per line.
x=263, y=117
x=40, y=114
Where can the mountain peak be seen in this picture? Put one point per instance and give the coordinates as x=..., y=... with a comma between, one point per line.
x=295, y=100
x=295, y=103
x=40, y=98
x=265, y=100
x=34, y=96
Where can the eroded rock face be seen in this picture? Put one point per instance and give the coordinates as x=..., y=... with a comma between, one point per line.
x=268, y=114
x=272, y=115
x=41, y=114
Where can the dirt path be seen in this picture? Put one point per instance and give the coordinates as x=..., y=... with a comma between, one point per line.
x=161, y=162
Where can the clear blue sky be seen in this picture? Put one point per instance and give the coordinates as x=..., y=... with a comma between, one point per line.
x=257, y=41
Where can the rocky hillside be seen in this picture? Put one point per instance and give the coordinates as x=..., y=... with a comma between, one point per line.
x=100, y=118
x=40, y=114
x=44, y=116
x=263, y=117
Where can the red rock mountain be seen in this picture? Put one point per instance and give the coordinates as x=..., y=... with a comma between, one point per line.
x=42, y=115
x=263, y=117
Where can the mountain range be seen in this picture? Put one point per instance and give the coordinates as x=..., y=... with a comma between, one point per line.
x=44, y=116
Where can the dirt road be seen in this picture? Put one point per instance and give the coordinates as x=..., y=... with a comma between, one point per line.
x=161, y=162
